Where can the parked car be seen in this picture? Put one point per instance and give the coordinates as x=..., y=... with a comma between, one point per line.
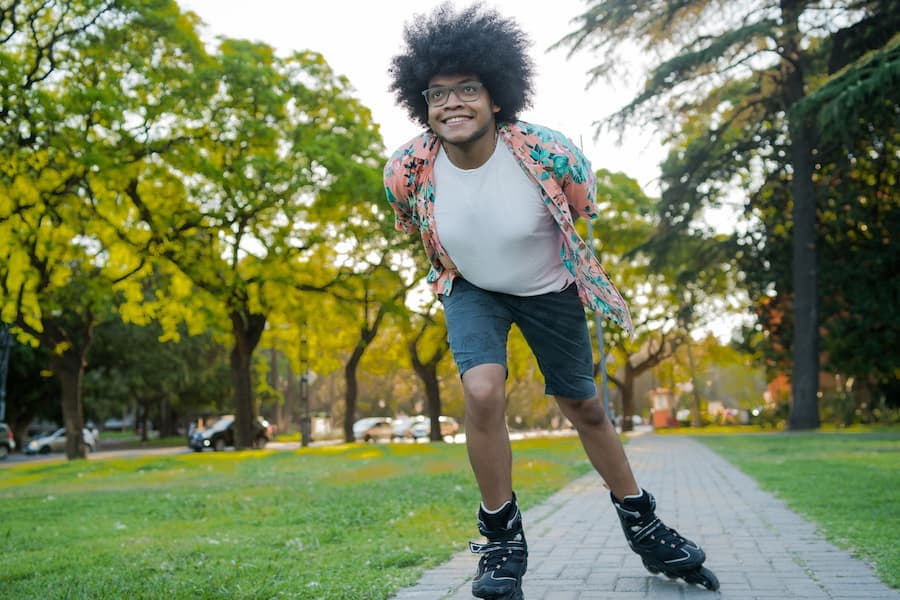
x=449, y=426
x=361, y=426
x=7, y=442
x=220, y=434
x=371, y=429
x=403, y=426
x=56, y=442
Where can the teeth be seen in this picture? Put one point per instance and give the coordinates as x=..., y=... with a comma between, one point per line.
x=456, y=119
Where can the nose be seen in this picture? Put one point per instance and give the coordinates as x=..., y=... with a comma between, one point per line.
x=453, y=98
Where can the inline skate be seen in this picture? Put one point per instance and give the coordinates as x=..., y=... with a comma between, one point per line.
x=661, y=548
x=504, y=557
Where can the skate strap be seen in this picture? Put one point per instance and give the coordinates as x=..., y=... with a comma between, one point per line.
x=656, y=527
x=490, y=547
x=648, y=529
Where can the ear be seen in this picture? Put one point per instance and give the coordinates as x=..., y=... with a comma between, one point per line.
x=494, y=108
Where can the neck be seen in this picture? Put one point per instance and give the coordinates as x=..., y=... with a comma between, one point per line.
x=473, y=153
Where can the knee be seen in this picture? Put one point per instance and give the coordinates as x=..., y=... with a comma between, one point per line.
x=485, y=399
x=585, y=413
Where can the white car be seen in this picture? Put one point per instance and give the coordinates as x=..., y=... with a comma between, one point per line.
x=403, y=426
x=449, y=426
x=56, y=442
x=372, y=428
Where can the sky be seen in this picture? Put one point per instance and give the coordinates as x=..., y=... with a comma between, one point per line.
x=359, y=37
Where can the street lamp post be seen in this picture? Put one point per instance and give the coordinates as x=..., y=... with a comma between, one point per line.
x=601, y=347
x=304, y=392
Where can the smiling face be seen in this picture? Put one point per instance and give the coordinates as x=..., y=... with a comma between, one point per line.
x=465, y=128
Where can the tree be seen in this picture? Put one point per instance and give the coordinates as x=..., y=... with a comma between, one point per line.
x=628, y=222
x=857, y=111
x=775, y=53
x=278, y=140
x=381, y=294
x=70, y=111
x=427, y=350
x=162, y=380
x=31, y=392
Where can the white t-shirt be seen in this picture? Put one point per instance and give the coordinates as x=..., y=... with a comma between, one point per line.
x=494, y=225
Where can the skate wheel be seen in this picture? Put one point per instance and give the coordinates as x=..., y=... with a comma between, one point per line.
x=516, y=595
x=704, y=577
x=710, y=582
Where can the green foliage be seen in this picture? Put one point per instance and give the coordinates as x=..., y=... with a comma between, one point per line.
x=72, y=135
x=351, y=521
x=754, y=94
x=129, y=365
x=144, y=177
x=30, y=392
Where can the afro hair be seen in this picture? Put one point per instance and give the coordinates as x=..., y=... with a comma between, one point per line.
x=475, y=41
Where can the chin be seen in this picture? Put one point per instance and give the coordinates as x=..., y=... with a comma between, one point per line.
x=461, y=138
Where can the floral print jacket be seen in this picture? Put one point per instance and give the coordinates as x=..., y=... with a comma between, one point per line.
x=568, y=187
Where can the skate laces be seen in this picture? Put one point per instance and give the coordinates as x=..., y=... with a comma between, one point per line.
x=657, y=530
x=495, y=555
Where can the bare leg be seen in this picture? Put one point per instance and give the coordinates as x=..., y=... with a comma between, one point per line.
x=487, y=439
x=601, y=443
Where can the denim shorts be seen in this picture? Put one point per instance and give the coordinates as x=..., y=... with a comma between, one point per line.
x=554, y=325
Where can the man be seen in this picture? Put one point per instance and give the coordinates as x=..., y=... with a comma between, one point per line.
x=494, y=200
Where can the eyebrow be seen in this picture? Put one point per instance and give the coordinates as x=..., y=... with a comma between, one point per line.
x=460, y=82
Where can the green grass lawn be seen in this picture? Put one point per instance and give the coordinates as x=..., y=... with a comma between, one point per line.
x=350, y=521
x=847, y=483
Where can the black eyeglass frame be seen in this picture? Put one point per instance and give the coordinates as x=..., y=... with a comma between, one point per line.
x=453, y=89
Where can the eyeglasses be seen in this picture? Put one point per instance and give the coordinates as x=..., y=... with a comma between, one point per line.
x=439, y=94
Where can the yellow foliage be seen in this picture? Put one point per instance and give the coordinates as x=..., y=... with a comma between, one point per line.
x=134, y=313
x=180, y=285
x=17, y=265
x=24, y=191
x=60, y=275
x=133, y=308
x=6, y=203
x=121, y=260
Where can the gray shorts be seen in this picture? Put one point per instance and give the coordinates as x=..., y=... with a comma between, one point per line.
x=554, y=325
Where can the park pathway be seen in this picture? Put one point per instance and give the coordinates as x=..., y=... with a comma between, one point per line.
x=758, y=548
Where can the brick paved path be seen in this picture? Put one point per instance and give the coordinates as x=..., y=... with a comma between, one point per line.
x=758, y=548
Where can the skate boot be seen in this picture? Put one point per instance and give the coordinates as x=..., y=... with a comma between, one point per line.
x=504, y=557
x=661, y=548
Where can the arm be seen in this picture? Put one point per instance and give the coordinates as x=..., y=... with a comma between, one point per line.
x=399, y=194
x=580, y=184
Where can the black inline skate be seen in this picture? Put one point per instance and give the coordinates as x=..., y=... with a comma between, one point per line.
x=661, y=548
x=504, y=558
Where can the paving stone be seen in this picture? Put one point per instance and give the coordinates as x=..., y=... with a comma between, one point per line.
x=758, y=548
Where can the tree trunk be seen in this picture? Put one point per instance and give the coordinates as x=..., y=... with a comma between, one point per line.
x=166, y=424
x=142, y=421
x=696, y=417
x=805, y=373
x=367, y=333
x=862, y=393
x=627, y=390
x=247, y=329
x=433, y=399
x=805, y=376
x=427, y=372
x=290, y=400
x=273, y=383
x=352, y=391
x=68, y=367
